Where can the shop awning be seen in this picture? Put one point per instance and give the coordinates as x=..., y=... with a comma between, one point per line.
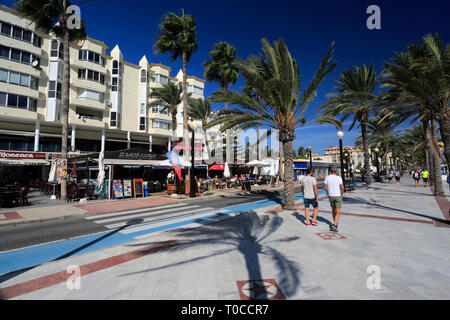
x=24, y=162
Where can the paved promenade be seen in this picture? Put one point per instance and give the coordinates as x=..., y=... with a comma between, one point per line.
x=393, y=243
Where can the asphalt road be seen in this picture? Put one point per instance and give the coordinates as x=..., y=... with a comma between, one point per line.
x=29, y=234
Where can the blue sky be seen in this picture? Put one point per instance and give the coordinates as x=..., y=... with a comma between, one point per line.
x=308, y=28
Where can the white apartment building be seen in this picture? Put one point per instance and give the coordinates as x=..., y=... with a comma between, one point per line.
x=108, y=95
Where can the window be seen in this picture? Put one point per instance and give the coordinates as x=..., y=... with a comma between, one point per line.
x=22, y=102
x=4, y=52
x=2, y=99
x=114, y=84
x=143, y=76
x=58, y=91
x=195, y=90
x=52, y=89
x=91, y=75
x=142, y=123
x=37, y=40
x=142, y=109
x=17, y=32
x=15, y=55
x=3, y=75
x=160, y=109
x=160, y=124
x=113, y=119
x=12, y=100
x=32, y=105
x=54, y=50
x=20, y=33
x=24, y=80
x=27, y=35
x=14, y=77
x=34, y=83
x=115, y=69
x=6, y=29
x=26, y=57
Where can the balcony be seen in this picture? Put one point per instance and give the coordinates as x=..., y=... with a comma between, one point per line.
x=88, y=103
x=87, y=121
x=17, y=113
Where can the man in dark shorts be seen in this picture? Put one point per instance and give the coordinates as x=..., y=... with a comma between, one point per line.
x=310, y=196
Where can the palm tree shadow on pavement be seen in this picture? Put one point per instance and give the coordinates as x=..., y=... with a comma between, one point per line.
x=358, y=200
x=247, y=233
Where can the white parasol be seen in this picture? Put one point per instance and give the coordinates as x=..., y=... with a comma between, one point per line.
x=226, y=172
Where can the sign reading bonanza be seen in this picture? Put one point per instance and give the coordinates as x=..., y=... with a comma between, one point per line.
x=22, y=155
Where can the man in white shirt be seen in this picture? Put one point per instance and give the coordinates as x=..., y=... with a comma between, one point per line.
x=334, y=186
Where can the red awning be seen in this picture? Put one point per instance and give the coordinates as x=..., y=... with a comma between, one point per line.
x=217, y=167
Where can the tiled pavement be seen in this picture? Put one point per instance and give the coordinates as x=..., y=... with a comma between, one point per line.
x=207, y=262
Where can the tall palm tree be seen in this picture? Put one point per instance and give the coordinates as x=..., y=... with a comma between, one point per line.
x=200, y=109
x=178, y=36
x=169, y=96
x=275, y=76
x=51, y=16
x=355, y=98
x=220, y=68
x=412, y=95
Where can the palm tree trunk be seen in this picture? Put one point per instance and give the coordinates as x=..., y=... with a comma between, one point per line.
x=444, y=128
x=258, y=147
x=280, y=161
x=289, y=193
x=227, y=142
x=185, y=120
x=427, y=145
x=174, y=129
x=65, y=108
x=438, y=188
x=366, y=152
x=386, y=148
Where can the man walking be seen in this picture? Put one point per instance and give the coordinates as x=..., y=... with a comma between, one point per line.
x=425, y=174
x=310, y=196
x=334, y=187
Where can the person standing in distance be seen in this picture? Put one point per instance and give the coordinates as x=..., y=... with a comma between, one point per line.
x=310, y=196
x=334, y=186
x=425, y=174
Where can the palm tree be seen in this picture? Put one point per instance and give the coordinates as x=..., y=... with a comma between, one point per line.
x=382, y=134
x=415, y=93
x=51, y=16
x=221, y=69
x=200, y=109
x=178, y=36
x=275, y=77
x=355, y=97
x=169, y=96
x=415, y=141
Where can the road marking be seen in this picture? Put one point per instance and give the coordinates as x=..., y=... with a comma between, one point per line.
x=181, y=219
x=133, y=211
x=142, y=214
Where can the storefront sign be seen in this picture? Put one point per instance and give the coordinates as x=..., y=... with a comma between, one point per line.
x=134, y=154
x=22, y=155
x=61, y=168
x=127, y=188
x=118, y=189
x=138, y=187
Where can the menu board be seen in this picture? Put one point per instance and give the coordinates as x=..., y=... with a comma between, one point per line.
x=118, y=189
x=138, y=187
x=127, y=188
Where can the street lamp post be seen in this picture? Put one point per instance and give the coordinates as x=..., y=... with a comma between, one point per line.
x=376, y=155
x=310, y=156
x=340, y=134
x=192, y=186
